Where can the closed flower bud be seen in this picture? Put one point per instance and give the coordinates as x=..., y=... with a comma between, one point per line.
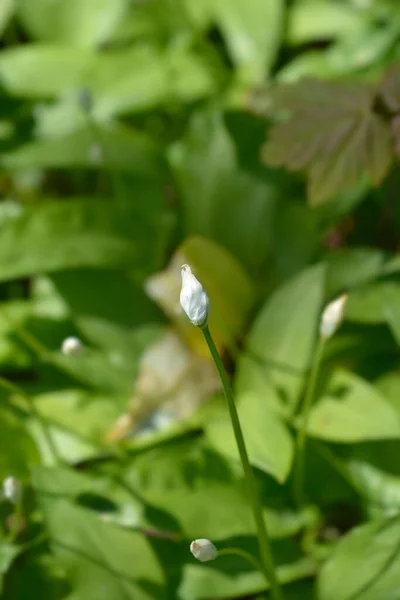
x=332, y=317
x=193, y=298
x=12, y=489
x=72, y=346
x=203, y=550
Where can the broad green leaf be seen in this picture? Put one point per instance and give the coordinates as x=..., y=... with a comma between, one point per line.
x=391, y=309
x=55, y=236
x=376, y=303
x=203, y=492
x=280, y=344
x=268, y=440
x=252, y=29
x=75, y=22
x=374, y=468
x=8, y=553
x=333, y=134
x=218, y=196
x=111, y=311
x=39, y=70
x=231, y=576
x=99, y=557
x=364, y=565
x=18, y=452
x=126, y=81
x=352, y=410
x=351, y=267
x=7, y=8
x=318, y=20
x=115, y=147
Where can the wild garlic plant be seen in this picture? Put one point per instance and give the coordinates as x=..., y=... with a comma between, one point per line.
x=195, y=303
x=331, y=318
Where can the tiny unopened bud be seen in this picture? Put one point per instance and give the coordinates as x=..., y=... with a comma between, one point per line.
x=12, y=489
x=72, y=346
x=193, y=298
x=332, y=317
x=203, y=550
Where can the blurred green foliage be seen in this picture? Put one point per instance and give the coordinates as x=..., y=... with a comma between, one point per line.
x=136, y=135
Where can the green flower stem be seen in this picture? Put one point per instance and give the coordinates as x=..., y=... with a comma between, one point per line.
x=244, y=554
x=298, y=480
x=16, y=520
x=15, y=389
x=267, y=562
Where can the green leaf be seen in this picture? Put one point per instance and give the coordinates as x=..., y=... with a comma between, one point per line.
x=332, y=134
x=115, y=147
x=280, y=344
x=55, y=236
x=18, y=452
x=74, y=22
x=349, y=268
x=352, y=410
x=268, y=440
x=374, y=469
x=99, y=557
x=111, y=310
x=7, y=8
x=126, y=81
x=252, y=29
x=318, y=20
x=231, y=576
x=8, y=553
x=364, y=565
x=214, y=206
x=204, y=494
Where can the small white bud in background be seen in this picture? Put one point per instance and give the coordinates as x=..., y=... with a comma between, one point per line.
x=12, y=489
x=72, y=346
x=332, y=317
x=193, y=298
x=203, y=550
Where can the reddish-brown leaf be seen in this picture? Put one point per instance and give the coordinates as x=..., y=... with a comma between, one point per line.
x=332, y=133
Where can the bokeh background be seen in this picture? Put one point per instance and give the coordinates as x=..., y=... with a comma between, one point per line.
x=257, y=141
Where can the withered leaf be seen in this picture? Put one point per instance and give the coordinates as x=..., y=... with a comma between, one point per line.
x=390, y=89
x=330, y=131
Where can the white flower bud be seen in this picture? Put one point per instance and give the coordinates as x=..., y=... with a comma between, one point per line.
x=72, y=346
x=12, y=489
x=203, y=550
x=332, y=317
x=194, y=299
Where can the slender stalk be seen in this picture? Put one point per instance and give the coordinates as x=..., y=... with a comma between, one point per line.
x=244, y=554
x=15, y=389
x=267, y=562
x=16, y=521
x=298, y=480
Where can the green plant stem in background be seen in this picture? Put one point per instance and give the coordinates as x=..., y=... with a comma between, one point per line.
x=267, y=562
x=16, y=521
x=15, y=389
x=298, y=481
x=244, y=554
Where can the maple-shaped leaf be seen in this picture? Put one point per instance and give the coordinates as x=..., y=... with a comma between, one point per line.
x=389, y=89
x=331, y=131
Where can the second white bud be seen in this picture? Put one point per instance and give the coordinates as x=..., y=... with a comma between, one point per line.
x=204, y=550
x=332, y=317
x=72, y=346
x=193, y=298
